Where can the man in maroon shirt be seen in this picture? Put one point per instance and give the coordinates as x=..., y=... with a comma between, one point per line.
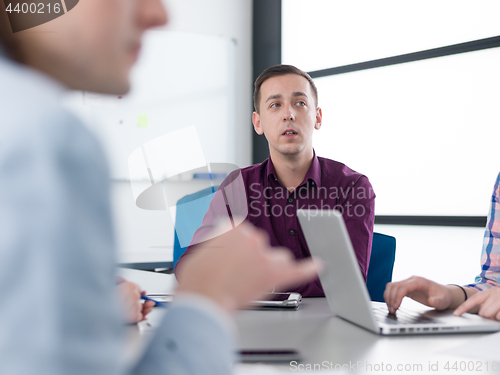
x=293, y=177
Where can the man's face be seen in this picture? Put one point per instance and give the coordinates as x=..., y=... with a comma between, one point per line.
x=94, y=46
x=288, y=114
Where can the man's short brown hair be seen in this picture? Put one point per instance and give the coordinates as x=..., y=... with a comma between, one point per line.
x=7, y=39
x=280, y=70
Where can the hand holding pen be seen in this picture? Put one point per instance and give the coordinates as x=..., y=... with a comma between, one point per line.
x=157, y=303
x=130, y=295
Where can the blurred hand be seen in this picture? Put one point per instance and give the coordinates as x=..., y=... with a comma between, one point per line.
x=129, y=293
x=421, y=290
x=487, y=301
x=239, y=266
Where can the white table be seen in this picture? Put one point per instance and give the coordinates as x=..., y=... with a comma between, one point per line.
x=326, y=341
x=330, y=342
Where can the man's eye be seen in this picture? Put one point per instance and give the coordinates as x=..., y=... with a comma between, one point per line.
x=274, y=105
x=301, y=103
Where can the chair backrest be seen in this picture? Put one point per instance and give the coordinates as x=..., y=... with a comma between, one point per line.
x=189, y=215
x=381, y=265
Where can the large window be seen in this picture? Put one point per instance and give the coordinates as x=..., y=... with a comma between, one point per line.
x=319, y=34
x=426, y=131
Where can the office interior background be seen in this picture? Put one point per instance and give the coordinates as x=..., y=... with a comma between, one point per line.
x=410, y=97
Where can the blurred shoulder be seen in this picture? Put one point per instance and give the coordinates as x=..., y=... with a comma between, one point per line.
x=33, y=114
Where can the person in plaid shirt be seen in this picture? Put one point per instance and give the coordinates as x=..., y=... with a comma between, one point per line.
x=481, y=297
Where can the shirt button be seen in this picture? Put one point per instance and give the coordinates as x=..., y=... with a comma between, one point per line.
x=290, y=200
x=292, y=232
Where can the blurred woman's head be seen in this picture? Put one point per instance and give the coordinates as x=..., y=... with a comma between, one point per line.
x=92, y=47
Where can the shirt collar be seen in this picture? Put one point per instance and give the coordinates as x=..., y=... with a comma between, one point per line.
x=314, y=172
x=30, y=73
x=270, y=171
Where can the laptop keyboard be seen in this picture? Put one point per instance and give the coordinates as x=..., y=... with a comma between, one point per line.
x=402, y=317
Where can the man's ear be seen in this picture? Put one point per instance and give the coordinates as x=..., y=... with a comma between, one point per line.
x=319, y=118
x=256, y=123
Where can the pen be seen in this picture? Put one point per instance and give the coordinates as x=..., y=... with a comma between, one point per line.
x=157, y=303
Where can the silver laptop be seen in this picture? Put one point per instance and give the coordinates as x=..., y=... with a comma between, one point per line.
x=346, y=292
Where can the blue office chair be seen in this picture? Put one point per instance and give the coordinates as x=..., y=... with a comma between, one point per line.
x=188, y=217
x=381, y=265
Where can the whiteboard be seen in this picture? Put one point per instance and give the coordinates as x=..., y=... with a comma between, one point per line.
x=181, y=80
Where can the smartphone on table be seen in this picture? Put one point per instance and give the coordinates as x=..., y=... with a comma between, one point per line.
x=279, y=300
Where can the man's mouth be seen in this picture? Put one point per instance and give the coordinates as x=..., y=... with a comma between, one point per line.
x=289, y=132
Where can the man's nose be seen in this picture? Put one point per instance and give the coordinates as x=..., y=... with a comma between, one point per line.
x=288, y=114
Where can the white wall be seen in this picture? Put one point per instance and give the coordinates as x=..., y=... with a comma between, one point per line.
x=148, y=235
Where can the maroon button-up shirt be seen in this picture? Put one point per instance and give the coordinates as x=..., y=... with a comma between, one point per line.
x=255, y=194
